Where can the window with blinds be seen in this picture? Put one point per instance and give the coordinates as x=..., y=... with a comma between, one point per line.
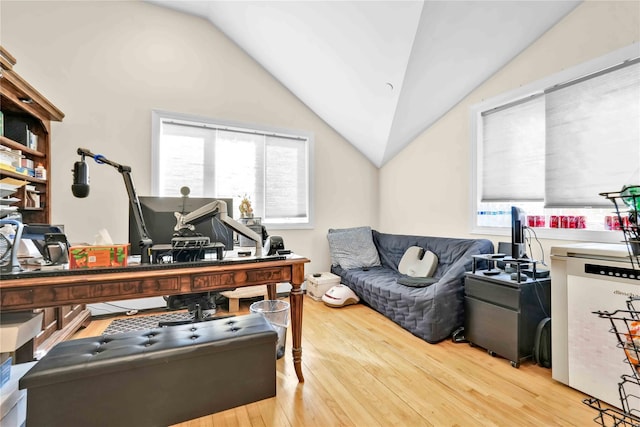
x=216, y=159
x=554, y=150
x=592, y=137
x=513, y=155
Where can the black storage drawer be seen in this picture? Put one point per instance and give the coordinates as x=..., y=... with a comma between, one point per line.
x=495, y=328
x=493, y=293
x=501, y=315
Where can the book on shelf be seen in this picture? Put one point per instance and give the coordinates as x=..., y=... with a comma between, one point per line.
x=10, y=157
x=33, y=140
x=33, y=199
x=18, y=128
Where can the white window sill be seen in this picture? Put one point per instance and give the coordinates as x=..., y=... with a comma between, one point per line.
x=558, y=234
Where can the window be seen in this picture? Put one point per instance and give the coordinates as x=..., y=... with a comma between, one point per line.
x=215, y=159
x=553, y=146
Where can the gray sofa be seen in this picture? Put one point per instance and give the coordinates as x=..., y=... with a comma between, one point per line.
x=431, y=312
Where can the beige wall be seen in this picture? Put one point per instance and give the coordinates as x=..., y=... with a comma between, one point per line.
x=426, y=188
x=106, y=65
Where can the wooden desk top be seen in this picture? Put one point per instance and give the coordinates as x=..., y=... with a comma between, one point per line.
x=57, y=288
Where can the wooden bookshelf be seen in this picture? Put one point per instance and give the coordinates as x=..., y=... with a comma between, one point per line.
x=22, y=101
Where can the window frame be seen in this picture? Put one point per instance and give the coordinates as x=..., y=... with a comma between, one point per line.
x=157, y=116
x=529, y=90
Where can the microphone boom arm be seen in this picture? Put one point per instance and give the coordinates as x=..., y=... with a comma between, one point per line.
x=145, y=241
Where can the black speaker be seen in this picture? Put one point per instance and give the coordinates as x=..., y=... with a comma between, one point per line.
x=542, y=343
x=275, y=243
x=503, y=248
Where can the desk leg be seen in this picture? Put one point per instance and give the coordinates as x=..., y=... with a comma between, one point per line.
x=296, y=300
x=272, y=291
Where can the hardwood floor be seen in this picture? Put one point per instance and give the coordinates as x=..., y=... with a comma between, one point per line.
x=361, y=369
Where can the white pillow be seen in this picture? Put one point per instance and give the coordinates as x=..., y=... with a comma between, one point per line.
x=417, y=263
x=353, y=248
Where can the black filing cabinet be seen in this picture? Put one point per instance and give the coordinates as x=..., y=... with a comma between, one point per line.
x=501, y=315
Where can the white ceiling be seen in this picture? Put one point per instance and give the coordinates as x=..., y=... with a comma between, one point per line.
x=380, y=72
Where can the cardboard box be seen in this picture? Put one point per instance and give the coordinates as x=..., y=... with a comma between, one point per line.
x=318, y=286
x=98, y=256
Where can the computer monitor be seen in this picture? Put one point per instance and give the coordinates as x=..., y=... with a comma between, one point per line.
x=158, y=214
x=518, y=223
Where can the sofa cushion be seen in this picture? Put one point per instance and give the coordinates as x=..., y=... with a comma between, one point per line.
x=417, y=263
x=416, y=282
x=352, y=248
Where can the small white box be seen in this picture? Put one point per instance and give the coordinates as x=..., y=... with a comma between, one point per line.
x=318, y=286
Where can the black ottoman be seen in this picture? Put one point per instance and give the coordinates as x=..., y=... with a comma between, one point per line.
x=155, y=377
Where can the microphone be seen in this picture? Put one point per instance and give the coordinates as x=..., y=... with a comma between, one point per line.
x=80, y=187
x=185, y=193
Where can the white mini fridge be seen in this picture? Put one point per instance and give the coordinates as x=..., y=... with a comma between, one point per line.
x=586, y=355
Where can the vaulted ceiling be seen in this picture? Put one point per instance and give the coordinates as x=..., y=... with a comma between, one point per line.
x=380, y=72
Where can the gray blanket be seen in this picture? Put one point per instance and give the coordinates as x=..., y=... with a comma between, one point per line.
x=431, y=312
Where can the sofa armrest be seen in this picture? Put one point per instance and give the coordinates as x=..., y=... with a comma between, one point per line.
x=464, y=263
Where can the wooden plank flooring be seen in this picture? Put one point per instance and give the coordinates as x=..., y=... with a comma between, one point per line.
x=361, y=369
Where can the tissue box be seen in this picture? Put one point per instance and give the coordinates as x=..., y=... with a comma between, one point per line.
x=98, y=256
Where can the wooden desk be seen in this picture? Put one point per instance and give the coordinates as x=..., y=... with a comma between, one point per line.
x=50, y=290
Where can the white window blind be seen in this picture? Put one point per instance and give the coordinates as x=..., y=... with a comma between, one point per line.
x=513, y=152
x=285, y=196
x=181, y=155
x=593, y=137
x=215, y=160
x=238, y=167
x=566, y=145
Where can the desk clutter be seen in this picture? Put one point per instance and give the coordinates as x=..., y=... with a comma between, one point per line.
x=28, y=248
x=503, y=266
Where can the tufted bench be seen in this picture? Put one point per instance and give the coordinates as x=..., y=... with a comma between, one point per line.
x=155, y=377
